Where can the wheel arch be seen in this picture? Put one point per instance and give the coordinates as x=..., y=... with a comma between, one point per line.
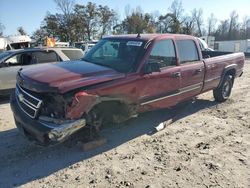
x=228, y=70
x=116, y=108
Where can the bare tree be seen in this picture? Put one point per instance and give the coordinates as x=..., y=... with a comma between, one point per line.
x=222, y=30
x=233, y=25
x=79, y=23
x=211, y=24
x=176, y=9
x=87, y=21
x=1, y=29
x=107, y=17
x=245, y=28
x=172, y=21
x=66, y=6
x=127, y=10
x=39, y=35
x=198, y=17
x=138, y=9
x=21, y=31
x=138, y=22
x=188, y=25
x=155, y=20
x=89, y=17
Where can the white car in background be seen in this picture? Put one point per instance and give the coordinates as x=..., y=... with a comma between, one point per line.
x=203, y=45
x=85, y=46
x=11, y=61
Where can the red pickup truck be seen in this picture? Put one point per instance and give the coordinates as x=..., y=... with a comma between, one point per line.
x=118, y=78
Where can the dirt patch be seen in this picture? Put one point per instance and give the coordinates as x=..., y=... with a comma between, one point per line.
x=207, y=145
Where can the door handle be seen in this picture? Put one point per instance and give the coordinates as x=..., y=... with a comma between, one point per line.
x=176, y=75
x=198, y=70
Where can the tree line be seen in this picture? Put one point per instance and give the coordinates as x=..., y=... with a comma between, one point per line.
x=80, y=22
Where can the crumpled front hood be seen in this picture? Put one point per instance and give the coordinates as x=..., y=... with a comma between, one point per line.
x=65, y=76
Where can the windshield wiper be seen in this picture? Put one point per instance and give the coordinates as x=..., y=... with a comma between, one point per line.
x=83, y=59
x=97, y=63
x=101, y=64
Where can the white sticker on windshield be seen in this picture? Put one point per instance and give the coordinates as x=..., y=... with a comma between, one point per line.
x=134, y=43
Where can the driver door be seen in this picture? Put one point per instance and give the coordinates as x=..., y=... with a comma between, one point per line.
x=160, y=89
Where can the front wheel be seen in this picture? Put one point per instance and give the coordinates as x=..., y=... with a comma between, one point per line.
x=95, y=119
x=223, y=92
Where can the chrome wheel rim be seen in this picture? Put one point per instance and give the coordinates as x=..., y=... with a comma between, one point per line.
x=226, y=89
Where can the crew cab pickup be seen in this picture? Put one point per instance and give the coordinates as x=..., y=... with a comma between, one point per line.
x=120, y=77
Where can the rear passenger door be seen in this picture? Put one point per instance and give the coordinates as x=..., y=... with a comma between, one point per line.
x=191, y=68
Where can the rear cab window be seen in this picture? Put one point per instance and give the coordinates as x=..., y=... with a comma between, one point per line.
x=73, y=54
x=188, y=51
x=44, y=57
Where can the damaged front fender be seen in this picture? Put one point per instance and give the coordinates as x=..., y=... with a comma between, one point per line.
x=82, y=102
x=110, y=108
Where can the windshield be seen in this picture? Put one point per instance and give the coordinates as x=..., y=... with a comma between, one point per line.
x=118, y=54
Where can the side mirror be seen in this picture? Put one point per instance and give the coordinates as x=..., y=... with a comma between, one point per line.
x=152, y=67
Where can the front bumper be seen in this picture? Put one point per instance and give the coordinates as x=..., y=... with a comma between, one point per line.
x=42, y=131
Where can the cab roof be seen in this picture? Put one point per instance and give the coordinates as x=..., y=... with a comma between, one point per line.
x=147, y=37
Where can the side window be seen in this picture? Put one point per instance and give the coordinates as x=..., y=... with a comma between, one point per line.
x=163, y=52
x=187, y=51
x=44, y=57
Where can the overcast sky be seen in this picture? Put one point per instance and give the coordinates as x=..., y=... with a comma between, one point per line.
x=30, y=13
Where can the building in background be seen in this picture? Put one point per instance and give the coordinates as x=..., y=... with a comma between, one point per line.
x=233, y=46
x=14, y=42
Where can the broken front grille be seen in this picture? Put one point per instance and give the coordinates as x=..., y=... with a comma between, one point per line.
x=27, y=102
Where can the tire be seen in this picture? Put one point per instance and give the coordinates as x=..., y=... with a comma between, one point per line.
x=223, y=92
x=95, y=119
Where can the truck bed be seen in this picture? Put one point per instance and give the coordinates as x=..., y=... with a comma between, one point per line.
x=207, y=54
x=216, y=62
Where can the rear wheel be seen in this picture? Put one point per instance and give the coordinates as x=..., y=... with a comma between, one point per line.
x=223, y=92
